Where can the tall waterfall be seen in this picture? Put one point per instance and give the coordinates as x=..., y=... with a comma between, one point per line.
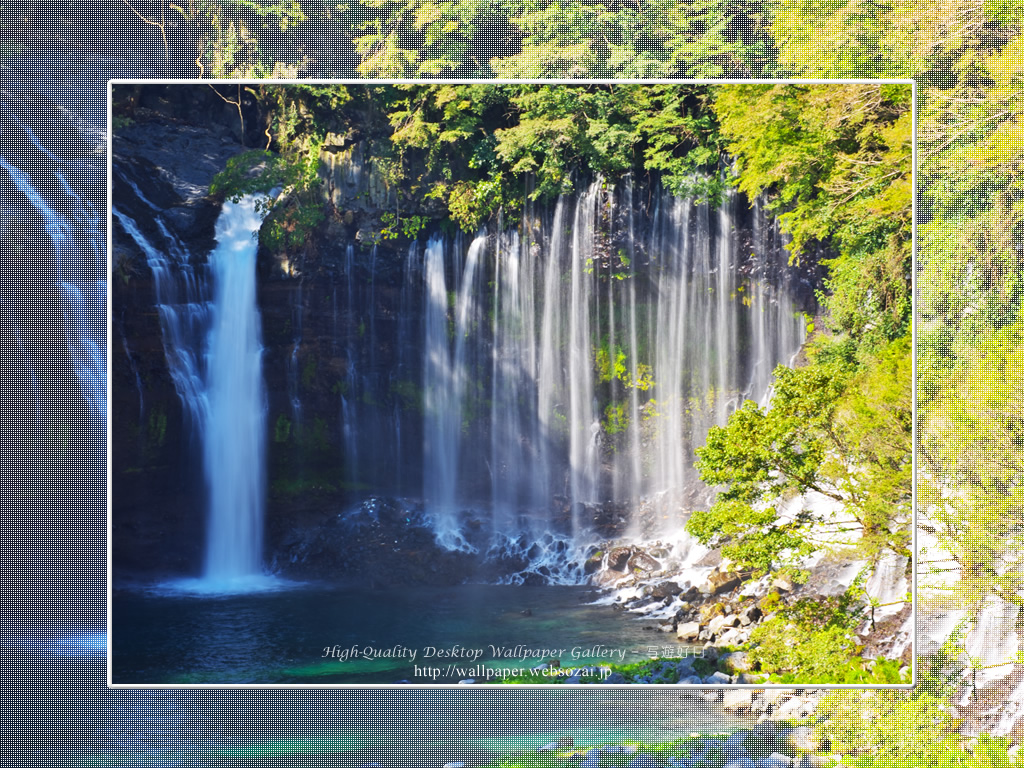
x=235, y=450
x=612, y=354
x=548, y=379
x=445, y=377
x=210, y=328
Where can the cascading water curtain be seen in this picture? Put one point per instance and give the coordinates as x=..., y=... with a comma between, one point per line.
x=610, y=355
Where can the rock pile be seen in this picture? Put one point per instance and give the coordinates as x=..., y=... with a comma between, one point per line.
x=770, y=744
x=718, y=606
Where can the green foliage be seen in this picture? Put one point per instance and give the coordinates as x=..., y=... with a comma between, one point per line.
x=408, y=226
x=696, y=38
x=408, y=394
x=850, y=39
x=755, y=539
x=293, y=218
x=836, y=166
x=487, y=148
x=616, y=418
x=290, y=226
x=893, y=729
x=309, y=373
x=683, y=143
x=808, y=640
x=300, y=117
x=253, y=172
x=981, y=416
x=831, y=428
x=559, y=129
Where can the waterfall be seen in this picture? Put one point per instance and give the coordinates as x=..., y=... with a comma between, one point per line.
x=688, y=323
x=236, y=431
x=444, y=381
x=563, y=371
x=183, y=308
x=79, y=258
x=513, y=399
x=583, y=429
x=210, y=329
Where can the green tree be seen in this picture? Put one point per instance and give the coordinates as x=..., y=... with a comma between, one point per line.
x=835, y=164
x=832, y=429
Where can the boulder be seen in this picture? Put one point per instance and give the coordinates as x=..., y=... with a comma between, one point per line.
x=692, y=594
x=717, y=624
x=749, y=615
x=684, y=666
x=734, y=747
x=718, y=678
x=618, y=558
x=719, y=582
x=775, y=760
x=794, y=709
x=593, y=563
x=738, y=701
x=663, y=589
x=736, y=662
x=642, y=562
x=688, y=630
x=747, y=678
x=783, y=584
x=774, y=696
x=802, y=738
x=731, y=637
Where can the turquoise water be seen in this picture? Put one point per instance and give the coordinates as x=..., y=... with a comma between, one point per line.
x=323, y=634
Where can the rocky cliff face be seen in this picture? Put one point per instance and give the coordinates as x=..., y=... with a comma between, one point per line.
x=344, y=409
x=161, y=173
x=343, y=336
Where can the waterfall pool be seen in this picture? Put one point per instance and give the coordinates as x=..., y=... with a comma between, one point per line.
x=326, y=634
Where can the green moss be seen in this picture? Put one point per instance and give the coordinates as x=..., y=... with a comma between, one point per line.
x=282, y=429
x=309, y=373
x=292, y=485
x=313, y=437
x=157, y=428
x=408, y=394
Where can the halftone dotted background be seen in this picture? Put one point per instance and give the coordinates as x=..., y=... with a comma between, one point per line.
x=53, y=442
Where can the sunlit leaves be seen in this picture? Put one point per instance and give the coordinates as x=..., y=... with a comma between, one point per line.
x=845, y=38
x=835, y=164
x=977, y=431
x=833, y=427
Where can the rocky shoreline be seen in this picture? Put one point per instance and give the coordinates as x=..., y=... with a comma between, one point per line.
x=771, y=743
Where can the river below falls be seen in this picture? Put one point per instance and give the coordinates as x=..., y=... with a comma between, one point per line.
x=400, y=727
x=325, y=634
